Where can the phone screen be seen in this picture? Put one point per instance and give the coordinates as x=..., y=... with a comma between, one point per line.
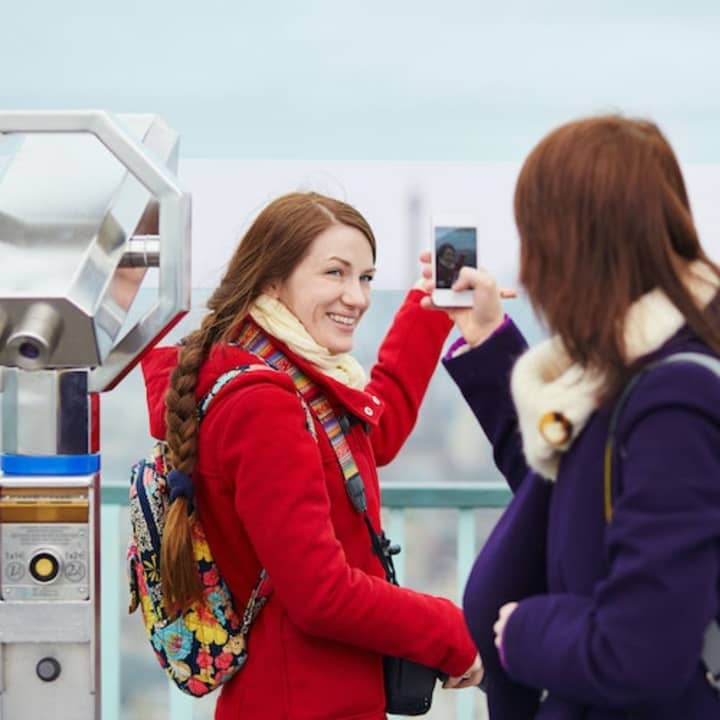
x=455, y=247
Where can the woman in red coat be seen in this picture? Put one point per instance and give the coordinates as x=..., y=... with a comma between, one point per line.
x=272, y=496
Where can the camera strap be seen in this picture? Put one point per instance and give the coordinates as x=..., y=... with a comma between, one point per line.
x=254, y=340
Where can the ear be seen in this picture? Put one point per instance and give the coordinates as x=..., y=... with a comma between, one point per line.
x=272, y=289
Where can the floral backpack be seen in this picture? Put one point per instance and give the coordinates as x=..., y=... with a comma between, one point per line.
x=204, y=645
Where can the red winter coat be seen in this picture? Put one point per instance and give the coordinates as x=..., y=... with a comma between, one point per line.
x=270, y=495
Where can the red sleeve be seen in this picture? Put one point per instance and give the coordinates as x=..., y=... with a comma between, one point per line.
x=281, y=497
x=407, y=359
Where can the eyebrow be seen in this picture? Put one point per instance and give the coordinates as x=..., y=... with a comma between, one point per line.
x=347, y=264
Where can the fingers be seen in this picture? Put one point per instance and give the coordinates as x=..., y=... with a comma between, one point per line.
x=426, y=276
x=426, y=265
x=427, y=285
x=469, y=278
x=428, y=304
x=503, y=616
x=452, y=683
x=458, y=683
x=507, y=610
x=471, y=677
x=455, y=683
x=497, y=629
x=473, y=681
x=480, y=279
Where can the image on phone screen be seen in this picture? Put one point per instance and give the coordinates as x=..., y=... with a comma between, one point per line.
x=455, y=247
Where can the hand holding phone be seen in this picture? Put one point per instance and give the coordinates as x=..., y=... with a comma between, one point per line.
x=454, y=245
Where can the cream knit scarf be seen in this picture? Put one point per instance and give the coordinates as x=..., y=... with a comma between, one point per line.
x=275, y=318
x=546, y=384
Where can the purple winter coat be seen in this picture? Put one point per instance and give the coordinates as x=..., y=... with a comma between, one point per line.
x=612, y=616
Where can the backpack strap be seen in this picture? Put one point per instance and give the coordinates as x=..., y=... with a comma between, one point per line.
x=180, y=483
x=221, y=382
x=226, y=377
x=711, y=641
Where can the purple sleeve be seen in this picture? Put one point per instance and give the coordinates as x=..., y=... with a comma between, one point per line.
x=483, y=376
x=512, y=563
x=451, y=350
x=510, y=566
x=637, y=639
x=461, y=340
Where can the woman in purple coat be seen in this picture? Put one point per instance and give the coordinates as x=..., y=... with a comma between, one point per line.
x=578, y=615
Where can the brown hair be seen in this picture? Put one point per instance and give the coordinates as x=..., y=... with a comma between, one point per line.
x=275, y=243
x=603, y=217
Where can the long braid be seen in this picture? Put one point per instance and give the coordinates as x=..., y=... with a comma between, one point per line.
x=181, y=583
x=180, y=579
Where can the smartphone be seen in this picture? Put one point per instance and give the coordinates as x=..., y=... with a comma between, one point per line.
x=454, y=245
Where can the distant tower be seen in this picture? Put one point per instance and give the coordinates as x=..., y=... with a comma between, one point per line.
x=415, y=243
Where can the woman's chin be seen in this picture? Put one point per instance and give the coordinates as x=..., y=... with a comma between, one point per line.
x=338, y=346
x=341, y=349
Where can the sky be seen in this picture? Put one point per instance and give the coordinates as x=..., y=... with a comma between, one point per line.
x=461, y=80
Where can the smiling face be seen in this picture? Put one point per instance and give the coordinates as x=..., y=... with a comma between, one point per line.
x=329, y=289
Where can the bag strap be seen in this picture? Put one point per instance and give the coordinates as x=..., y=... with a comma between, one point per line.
x=226, y=377
x=255, y=341
x=711, y=641
x=221, y=382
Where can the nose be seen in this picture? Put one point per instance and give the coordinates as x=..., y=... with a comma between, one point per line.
x=355, y=295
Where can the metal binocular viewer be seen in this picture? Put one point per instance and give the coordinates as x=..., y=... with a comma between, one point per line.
x=87, y=203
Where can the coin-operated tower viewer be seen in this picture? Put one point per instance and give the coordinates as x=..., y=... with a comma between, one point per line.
x=87, y=202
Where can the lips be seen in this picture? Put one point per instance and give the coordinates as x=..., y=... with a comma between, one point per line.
x=344, y=320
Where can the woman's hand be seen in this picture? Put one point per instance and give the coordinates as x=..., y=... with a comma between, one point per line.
x=478, y=322
x=471, y=677
x=499, y=627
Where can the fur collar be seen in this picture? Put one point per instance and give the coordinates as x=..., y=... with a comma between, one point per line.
x=555, y=397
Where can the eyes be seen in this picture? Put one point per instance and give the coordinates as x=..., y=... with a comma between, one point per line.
x=341, y=273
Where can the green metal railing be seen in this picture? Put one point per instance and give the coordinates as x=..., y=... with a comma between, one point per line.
x=465, y=497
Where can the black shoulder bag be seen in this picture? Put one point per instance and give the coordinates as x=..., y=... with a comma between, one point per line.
x=711, y=641
x=408, y=685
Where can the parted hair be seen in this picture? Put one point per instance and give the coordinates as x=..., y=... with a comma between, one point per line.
x=604, y=218
x=270, y=250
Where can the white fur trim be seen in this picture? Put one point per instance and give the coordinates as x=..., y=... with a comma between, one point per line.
x=544, y=379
